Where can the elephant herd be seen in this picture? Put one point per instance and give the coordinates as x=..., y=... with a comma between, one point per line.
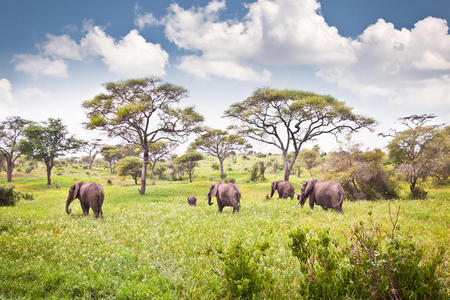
x=327, y=194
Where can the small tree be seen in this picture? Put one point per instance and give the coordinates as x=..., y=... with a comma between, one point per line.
x=189, y=161
x=92, y=148
x=288, y=119
x=111, y=154
x=159, y=151
x=438, y=153
x=130, y=165
x=221, y=144
x=408, y=150
x=11, y=132
x=142, y=112
x=310, y=158
x=47, y=142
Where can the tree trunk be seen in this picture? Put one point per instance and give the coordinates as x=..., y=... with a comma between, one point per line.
x=190, y=176
x=221, y=168
x=9, y=168
x=110, y=167
x=310, y=172
x=90, y=163
x=49, y=175
x=412, y=184
x=153, y=170
x=144, y=173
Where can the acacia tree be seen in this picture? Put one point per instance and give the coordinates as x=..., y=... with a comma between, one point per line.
x=47, y=142
x=92, y=148
x=287, y=119
x=189, y=162
x=130, y=165
x=159, y=151
x=221, y=144
x=310, y=158
x=111, y=154
x=142, y=112
x=408, y=149
x=11, y=132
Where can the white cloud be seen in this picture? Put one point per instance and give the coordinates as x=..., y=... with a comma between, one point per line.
x=227, y=69
x=32, y=93
x=405, y=66
x=282, y=32
x=36, y=65
x=131, y=56
x=6, y=95
x=143, y=20
x=62, y=46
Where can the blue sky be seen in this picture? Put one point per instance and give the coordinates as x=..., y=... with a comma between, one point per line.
x=385, y=58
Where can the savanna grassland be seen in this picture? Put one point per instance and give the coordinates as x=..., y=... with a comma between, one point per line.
x=156, y=246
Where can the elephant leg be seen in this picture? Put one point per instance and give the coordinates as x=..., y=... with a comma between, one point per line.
x=85, y=208
x=325, y=208
x=235, y=209
x=220, y=206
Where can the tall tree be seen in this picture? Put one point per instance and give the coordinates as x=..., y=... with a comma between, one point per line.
x=48, y=141
x=287, y=119
x=408, y=149
x=221, y=144
x=11, y=132
x=130, y=165
x=92, y=148
x=189, y=161
x=159, y=151
x=310, y=158
x=142, y=112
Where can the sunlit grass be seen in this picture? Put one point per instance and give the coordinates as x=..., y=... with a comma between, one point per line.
x=157, y=246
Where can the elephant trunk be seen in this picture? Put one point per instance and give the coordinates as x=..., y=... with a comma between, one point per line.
x=272, y=191
x=68, y=211
x=209, y=199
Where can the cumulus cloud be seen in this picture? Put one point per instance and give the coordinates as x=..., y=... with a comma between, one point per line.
x=226, y=69
x=147, y=19
x=405, y=66
x=36, y=65
x=130, y=56
x=62, y=46
x=282, y=32
x=6, y=95
x=408, y=66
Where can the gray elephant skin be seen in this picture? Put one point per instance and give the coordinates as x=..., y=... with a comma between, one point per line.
x=328, y=194
x=192, y=200
x=285, y=189
x=227, y=194
x=91, y=195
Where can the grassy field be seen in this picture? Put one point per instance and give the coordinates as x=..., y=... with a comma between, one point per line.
x=156, y=246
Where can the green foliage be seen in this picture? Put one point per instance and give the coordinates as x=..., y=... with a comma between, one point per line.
x=243, y=272
x=109, y=182
x=8, y=196
x=376, y=265
x=418, y=193
x=215, y=166
x=130, y=166
x=160, y=171
x=189, y=161
x=254, y=172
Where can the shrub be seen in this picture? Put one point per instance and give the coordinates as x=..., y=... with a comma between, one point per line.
x=223, y=176
x=418, y=193
x=160, y=171
x=230, y=180
x=260, y=155
x=29, y=169
x=25, y=196
x=109, y=182
x=376, y=265
x=7, y=196
x=254, y=172
x=212, y=178
x=243, y=271
x=215, y=166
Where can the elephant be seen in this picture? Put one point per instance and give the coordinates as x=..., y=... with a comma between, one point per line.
x=328, y=194
x=192, y=200
x=91, y=195
x=285, y=189
x=227, y=194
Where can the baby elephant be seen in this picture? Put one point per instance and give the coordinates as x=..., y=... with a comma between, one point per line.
x=91, y=195
x=192, y=200
x=227, y=194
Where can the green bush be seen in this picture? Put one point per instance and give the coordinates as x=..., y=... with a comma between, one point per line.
x=215, y=166
x=230, y=180
x=376, y=265
x=7, y=196
x=418, y=193
x=109, y=182
x=254, y=172
x=243, y=272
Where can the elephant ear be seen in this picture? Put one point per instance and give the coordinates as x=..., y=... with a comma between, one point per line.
x=214, y=189
x=309, y=186
x=76, y=190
